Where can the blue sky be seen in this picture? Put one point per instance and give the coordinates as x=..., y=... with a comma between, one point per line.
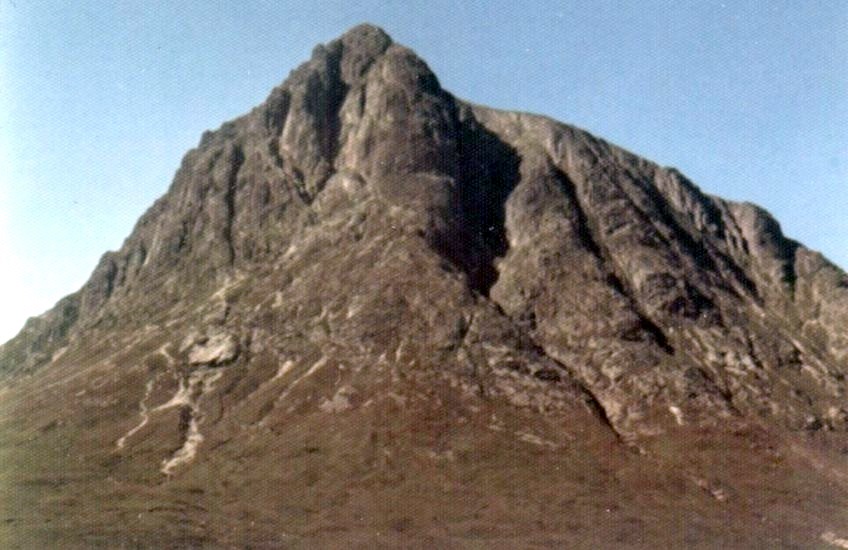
x=100, y=99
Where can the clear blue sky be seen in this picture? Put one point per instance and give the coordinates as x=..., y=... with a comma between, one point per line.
x=100, y=99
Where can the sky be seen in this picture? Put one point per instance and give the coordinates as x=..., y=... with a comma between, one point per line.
x=99, y=100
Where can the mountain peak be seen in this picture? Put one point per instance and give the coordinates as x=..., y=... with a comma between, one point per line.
x=366, y=37
x=353, y=52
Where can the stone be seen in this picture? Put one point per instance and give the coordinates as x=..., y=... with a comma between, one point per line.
x=217, y=349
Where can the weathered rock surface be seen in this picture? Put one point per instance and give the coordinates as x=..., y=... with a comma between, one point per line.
x=368, y=256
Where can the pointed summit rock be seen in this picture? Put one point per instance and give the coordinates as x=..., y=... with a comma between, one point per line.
x=369, y=307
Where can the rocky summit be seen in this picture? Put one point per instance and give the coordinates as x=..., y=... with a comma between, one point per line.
x=370, y=314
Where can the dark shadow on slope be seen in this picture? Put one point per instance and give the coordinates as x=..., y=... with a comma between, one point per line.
x=488, y=171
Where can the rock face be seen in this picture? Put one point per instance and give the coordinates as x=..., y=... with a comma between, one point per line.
x=408, y=279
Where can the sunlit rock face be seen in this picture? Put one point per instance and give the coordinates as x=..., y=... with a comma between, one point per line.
x=369, y=307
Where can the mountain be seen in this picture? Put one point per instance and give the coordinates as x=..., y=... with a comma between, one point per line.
x=370, y=313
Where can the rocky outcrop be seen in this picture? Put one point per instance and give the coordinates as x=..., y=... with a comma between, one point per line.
x=649, y=292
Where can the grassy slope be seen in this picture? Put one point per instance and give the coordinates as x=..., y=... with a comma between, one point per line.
x=451, y=475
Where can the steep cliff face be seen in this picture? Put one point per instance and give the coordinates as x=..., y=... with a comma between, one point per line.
x=364, y=249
